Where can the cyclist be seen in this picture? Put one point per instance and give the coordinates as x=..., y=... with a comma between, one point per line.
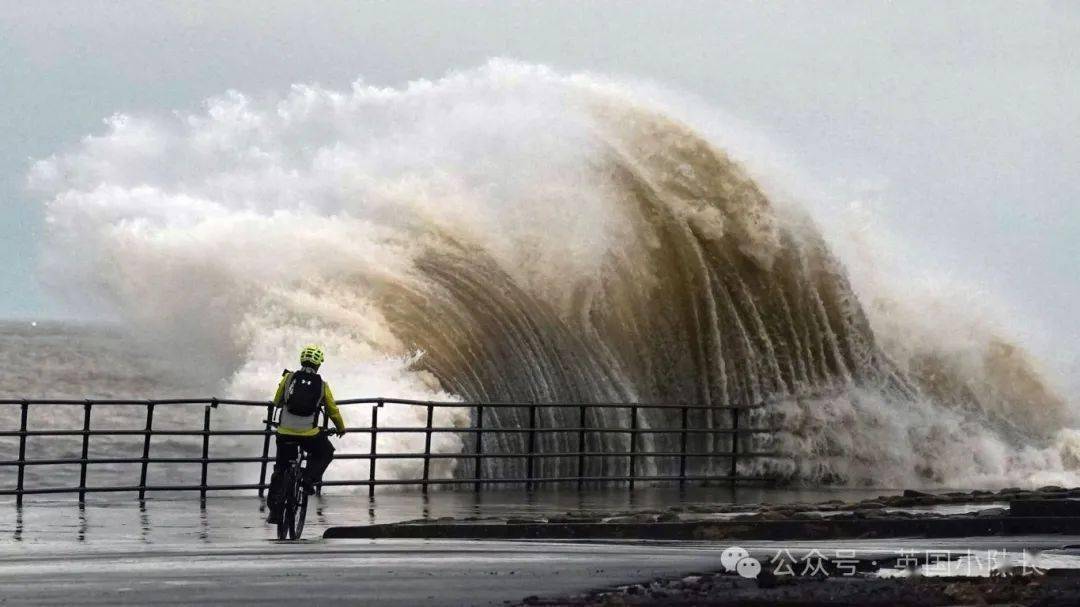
x=301, y=395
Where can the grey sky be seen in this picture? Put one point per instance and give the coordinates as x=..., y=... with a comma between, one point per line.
x=966, y=115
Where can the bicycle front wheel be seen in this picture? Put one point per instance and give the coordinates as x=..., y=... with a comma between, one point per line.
x=284, y=526
x=288, y=507
x=301, y=514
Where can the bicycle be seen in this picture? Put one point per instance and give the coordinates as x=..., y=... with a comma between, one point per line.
x=294, y=498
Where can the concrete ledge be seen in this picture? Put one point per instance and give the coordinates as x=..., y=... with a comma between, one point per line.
x=1044, y=507
x=714, y=530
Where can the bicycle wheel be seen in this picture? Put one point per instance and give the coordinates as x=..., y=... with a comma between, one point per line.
x=288, y=507
x=301, y=512
x=283, y=524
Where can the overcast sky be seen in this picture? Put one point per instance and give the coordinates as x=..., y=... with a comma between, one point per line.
x=964, y=117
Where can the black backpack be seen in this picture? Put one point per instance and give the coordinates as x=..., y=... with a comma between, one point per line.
x=304, y=393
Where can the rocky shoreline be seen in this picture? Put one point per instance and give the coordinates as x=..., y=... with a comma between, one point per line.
x=1058, y=589
x=909, y=504
x=911, y=513
x=865, y=586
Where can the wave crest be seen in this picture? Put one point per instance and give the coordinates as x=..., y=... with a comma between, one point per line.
x=509, y=233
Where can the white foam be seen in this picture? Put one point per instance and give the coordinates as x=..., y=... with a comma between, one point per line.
x=233, y=235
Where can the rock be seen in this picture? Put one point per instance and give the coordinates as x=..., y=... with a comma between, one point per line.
x=668, y=517
x=992, y=512
x=1010, y=491
x=570, y=519
x=766, y=579
x=721, y=532
x=915, y=500
x=869, y=506
x=1051, y=489
x=633, y=519
x=914, y=493
x=872, y=514
x=964, y=592
x=775, y=515
x=1045, y=507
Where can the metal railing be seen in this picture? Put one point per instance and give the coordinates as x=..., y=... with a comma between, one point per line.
x=473, y=453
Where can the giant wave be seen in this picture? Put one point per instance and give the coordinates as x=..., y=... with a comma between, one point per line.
x=510, y=233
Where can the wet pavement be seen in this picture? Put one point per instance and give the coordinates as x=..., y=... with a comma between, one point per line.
x=342, y=572
x=112, y=517
x=116, y=551
x=172, y=551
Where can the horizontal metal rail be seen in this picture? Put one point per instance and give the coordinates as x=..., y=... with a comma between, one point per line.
x=482, y=451
x=386, y=401
x=132, y=433
x=398, y=430
x=386, y=482
x=253, y=460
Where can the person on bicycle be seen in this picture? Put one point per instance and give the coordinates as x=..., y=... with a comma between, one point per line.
x=301, y=395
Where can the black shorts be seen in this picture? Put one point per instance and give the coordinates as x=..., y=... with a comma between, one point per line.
x=318, y=448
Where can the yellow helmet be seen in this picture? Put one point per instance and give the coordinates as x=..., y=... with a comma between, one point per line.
x=312, y=355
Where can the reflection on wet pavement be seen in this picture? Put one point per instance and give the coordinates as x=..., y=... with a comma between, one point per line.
x=229, y=518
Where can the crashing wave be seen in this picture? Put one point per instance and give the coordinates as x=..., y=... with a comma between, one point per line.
x=513, y=234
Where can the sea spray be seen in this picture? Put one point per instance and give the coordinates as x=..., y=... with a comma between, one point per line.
x=511, y=233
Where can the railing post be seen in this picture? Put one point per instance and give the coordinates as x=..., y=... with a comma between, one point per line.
x=205, y=452
x=146, y=450
x=24, y=409
x=374, y=437
x=85, y=451
x=427, y=448
x=532, y=448
x=479, y=447
x=734, y=443
x=633, y=444
x=682, y=446
x=266, y=448
x=581, y=447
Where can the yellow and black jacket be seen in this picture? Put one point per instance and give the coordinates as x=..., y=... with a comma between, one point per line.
x=295, y=425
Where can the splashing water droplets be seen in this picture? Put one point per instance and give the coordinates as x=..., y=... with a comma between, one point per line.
x=509, y=233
